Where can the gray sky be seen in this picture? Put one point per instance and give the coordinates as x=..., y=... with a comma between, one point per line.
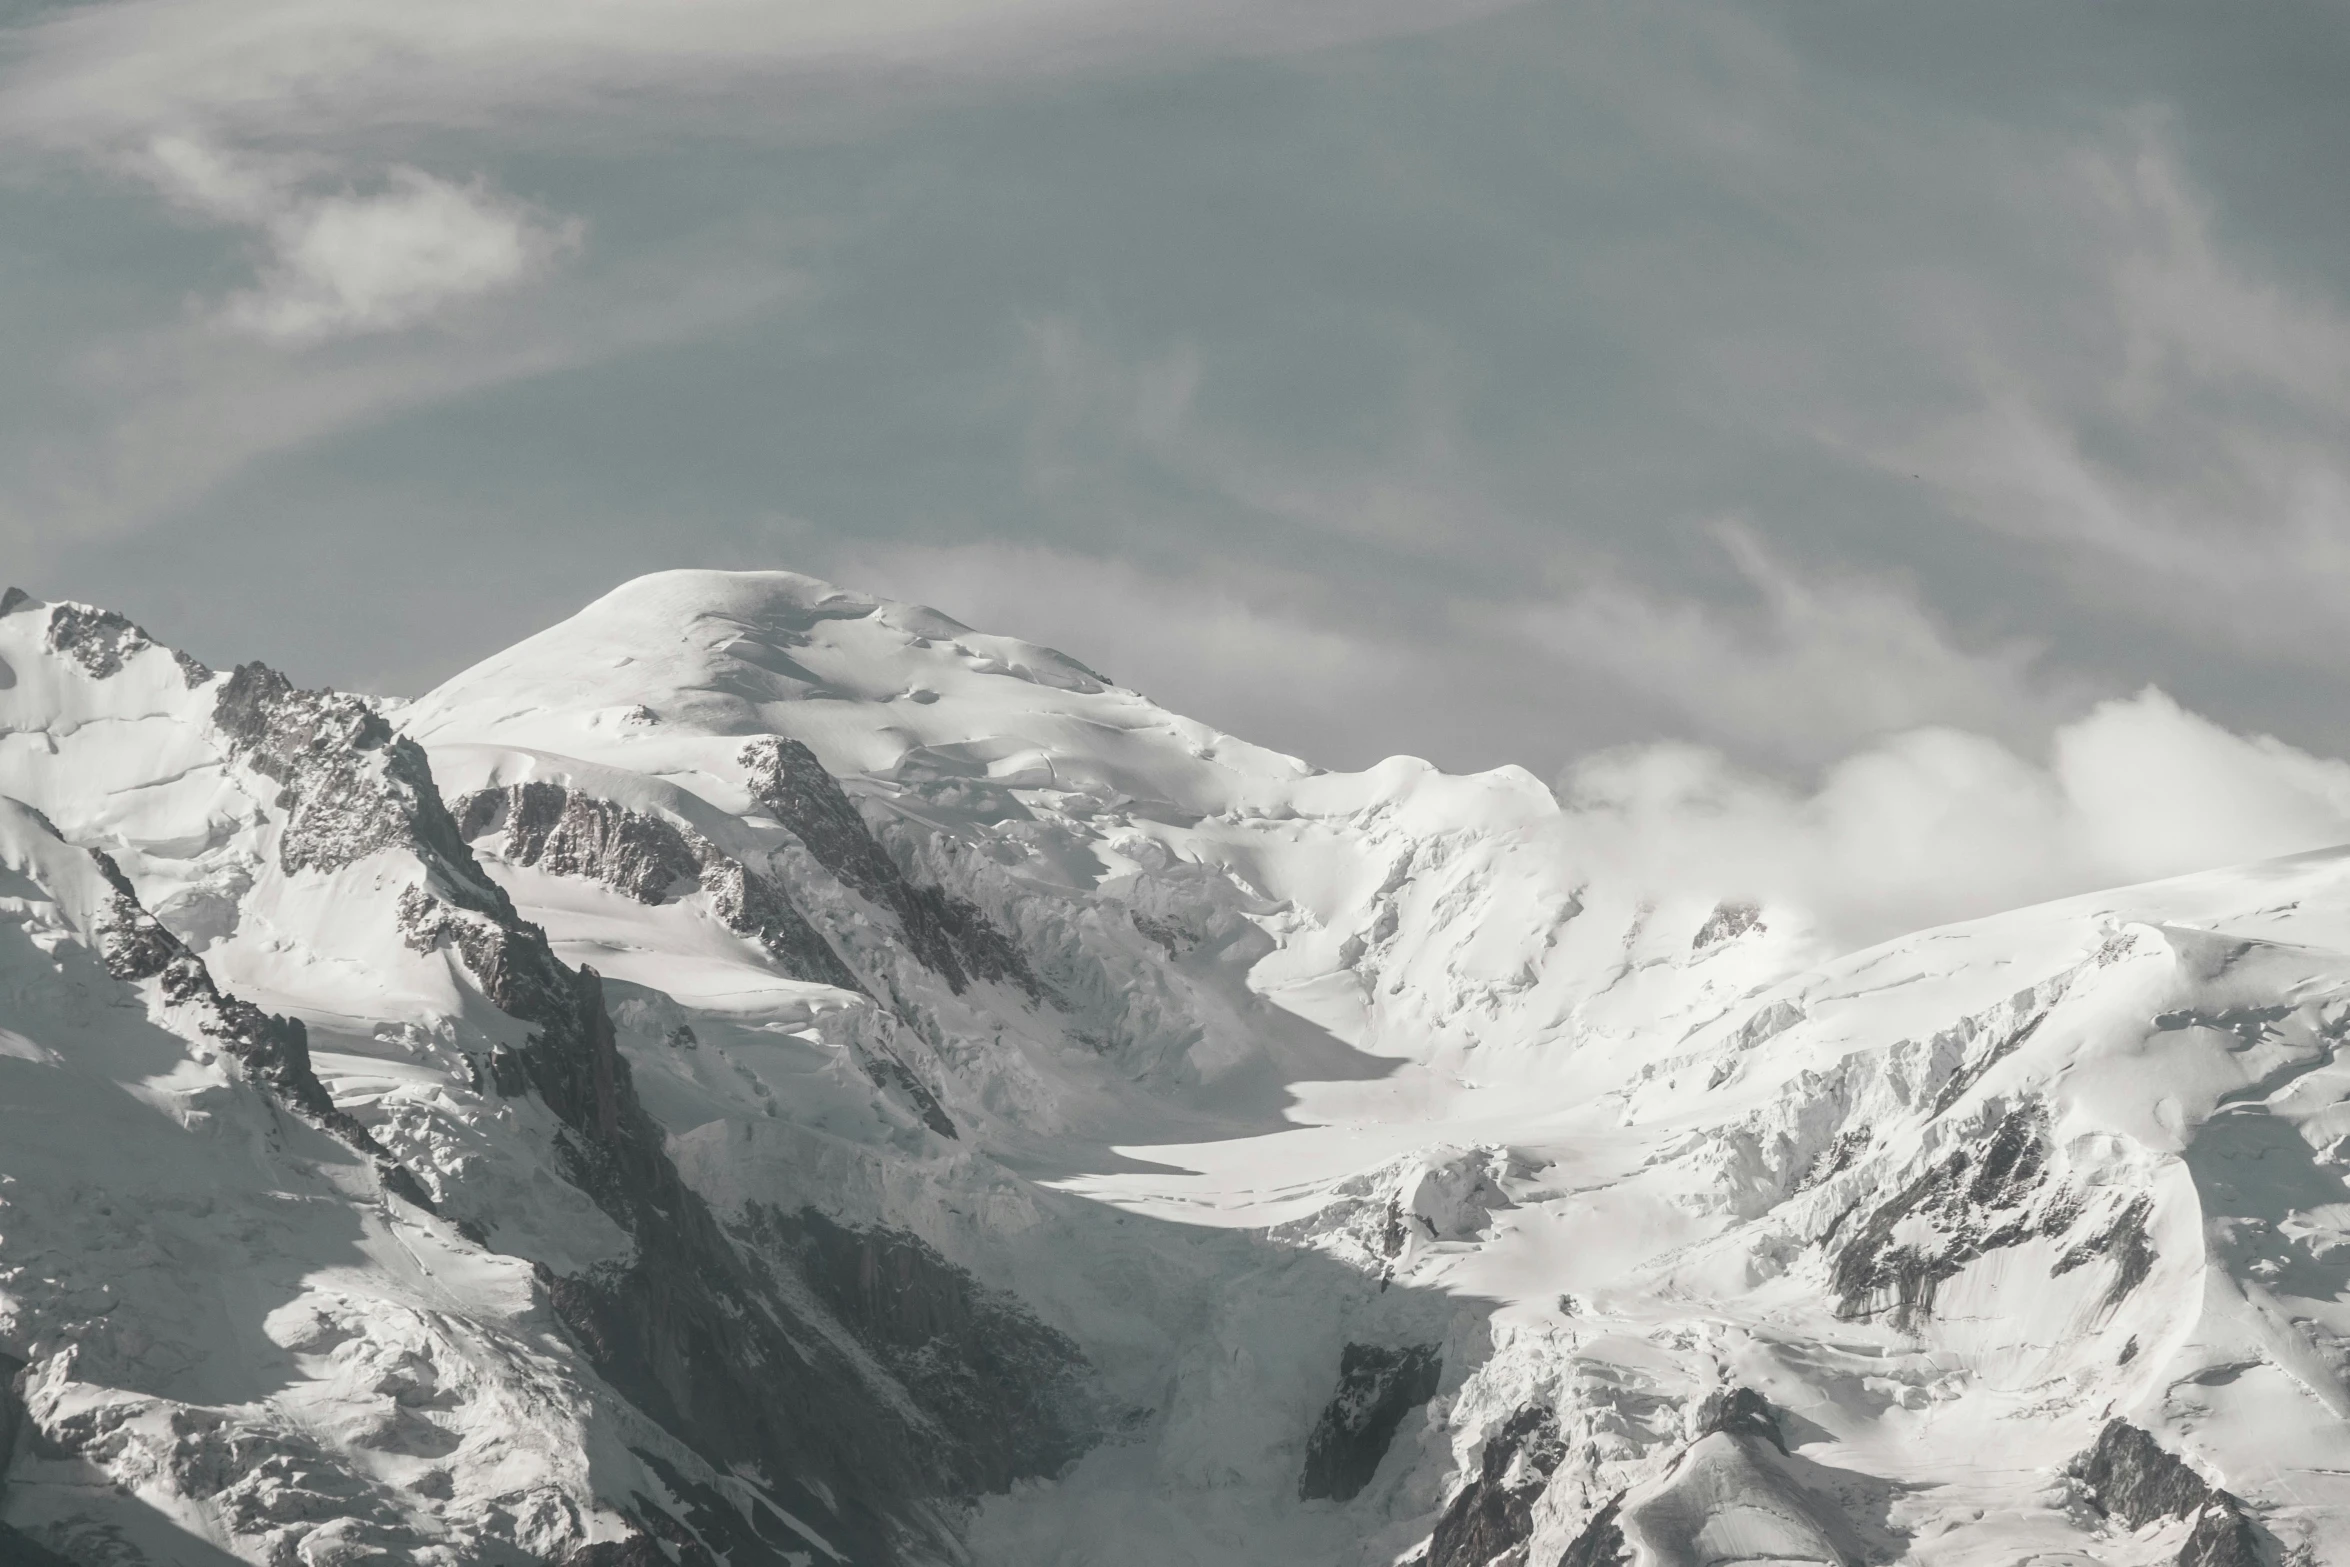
x=1492, y=382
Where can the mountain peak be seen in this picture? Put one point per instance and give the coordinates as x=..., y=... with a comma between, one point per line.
x=680, y=659
x=873, y=1085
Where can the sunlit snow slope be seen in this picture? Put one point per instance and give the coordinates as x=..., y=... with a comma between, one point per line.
x=756, y=1073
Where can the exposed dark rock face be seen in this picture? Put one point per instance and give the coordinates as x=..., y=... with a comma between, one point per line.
x=1601, y=1544
x=1836, y=1158
x=951, y=936
x=640, y=1550
x=101, y=641
x=569, y=833
x=1377, y=1387
x=12, y=599
x=1740, y=1411
x=689, y=1331
x=1392, y=1231
x=1727, y=922
x=888, y=1072
x=1169, y=934
x=742, y=1536
x=2223, y=1537
x=1011, y=1397
x=274, y=1050
x=11, y=1411
x=16, y=1549
x=1978, y=1202
x=1488, y=1523
x=350, y=786
x=2129, y=1477
x=2124, y=1239
x=573, y=834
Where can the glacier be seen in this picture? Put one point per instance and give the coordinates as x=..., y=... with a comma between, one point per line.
x=758, y=1073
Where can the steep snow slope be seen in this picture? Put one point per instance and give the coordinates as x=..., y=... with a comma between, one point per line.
x=926, y=1101
x=232, y=1335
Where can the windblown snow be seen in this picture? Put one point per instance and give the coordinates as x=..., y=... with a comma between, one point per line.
x=759, y=1074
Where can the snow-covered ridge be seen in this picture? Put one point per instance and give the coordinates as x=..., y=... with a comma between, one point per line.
x=910, y=1099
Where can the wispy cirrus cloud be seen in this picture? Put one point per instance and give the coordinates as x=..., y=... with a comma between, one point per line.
x=348, y=152
x=1814, y=663
x=2175, y=446
x=262, y=69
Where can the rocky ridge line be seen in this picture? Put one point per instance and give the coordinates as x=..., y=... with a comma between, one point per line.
x=952, y=937
x=2129, y=1477
x=571, y=833
x=273, y=1050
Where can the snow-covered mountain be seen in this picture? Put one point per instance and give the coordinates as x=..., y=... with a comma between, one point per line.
x=760, y=1074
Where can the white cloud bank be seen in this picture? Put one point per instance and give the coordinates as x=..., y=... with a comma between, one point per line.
x=1939, y=824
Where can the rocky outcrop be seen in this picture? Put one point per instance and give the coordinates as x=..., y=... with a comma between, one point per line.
x=890, y=1074
x=1727, y=922
x=2124, y=1241
x=952, y=937
x=569, y=833
x=1489, y=1522
x=102, y=641
x=1735, y=1481
x=1742, y=1412
x=1601, y=1544
x=1974, y=1201
x=689, y=1329
x=349, y=786
x=1377, y=1387
x=2130, y=1478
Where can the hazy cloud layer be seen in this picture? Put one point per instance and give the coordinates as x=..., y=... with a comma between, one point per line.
x=1498, y=383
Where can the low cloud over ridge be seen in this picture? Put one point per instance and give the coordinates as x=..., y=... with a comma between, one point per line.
x=1939, y=824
